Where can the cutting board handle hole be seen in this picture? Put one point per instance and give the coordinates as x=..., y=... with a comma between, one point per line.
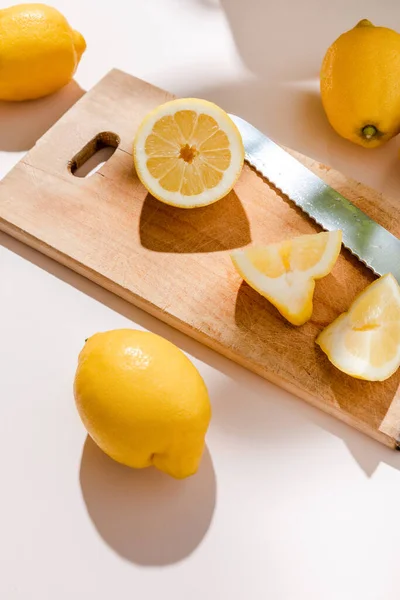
x=94, y=154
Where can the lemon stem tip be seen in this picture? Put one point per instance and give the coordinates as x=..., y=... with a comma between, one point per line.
x=369, y=132
x=364, y=23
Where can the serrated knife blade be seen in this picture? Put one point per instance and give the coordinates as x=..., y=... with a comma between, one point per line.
x=371, y=243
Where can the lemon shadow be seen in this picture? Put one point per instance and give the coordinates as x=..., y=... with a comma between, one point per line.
x=23, y=123
x=245, y=404
x=363, y=401
x=217, y=227
x=255, y=314
x=147, y=517
x=362, y=397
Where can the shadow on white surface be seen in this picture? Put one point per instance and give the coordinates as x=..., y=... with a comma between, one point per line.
x=287, y=40
x=292, y=115
x=147, y=517
x=282, y=45
x=23, y=123
x=234, y=409
x=212, y=4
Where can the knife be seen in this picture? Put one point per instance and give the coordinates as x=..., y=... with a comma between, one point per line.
x=371, y=243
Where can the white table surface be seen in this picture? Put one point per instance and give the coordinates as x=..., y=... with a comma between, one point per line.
x=289, y=504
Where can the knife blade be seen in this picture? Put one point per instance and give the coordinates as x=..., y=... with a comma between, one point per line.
x=371, y=243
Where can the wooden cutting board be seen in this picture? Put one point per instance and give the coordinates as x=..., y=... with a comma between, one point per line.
x=175, y=263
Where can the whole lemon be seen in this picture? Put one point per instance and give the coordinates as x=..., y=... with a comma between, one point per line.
x=142, y=401
x=39, y=52
x=360, y=84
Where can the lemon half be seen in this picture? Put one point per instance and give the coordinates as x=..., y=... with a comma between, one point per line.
x=188, y=153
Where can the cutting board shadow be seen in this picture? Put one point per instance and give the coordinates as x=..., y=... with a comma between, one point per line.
x=175, y=263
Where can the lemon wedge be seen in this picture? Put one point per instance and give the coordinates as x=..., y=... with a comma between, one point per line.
x=188, y=153
x=365, y=341
x=285, y=273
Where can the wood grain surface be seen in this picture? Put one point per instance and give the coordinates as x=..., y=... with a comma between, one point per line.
x=175, y=263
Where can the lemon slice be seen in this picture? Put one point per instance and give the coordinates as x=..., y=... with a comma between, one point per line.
x=188, y=153
x=285, y=273
x=365, y=341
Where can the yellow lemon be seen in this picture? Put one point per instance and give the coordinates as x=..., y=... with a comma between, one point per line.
x=285, y=273
x=39, y=52
x=188, y=153
x=365, y=341
x=360, y=87
x=142, y=401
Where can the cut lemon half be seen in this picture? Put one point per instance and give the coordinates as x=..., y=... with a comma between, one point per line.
x=188, y=153
x=285, y=273
x=365, y=341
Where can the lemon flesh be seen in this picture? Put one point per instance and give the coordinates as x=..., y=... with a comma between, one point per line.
x=285, y=273
x=188, y=153
x=142, y=401
x=365, y=341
